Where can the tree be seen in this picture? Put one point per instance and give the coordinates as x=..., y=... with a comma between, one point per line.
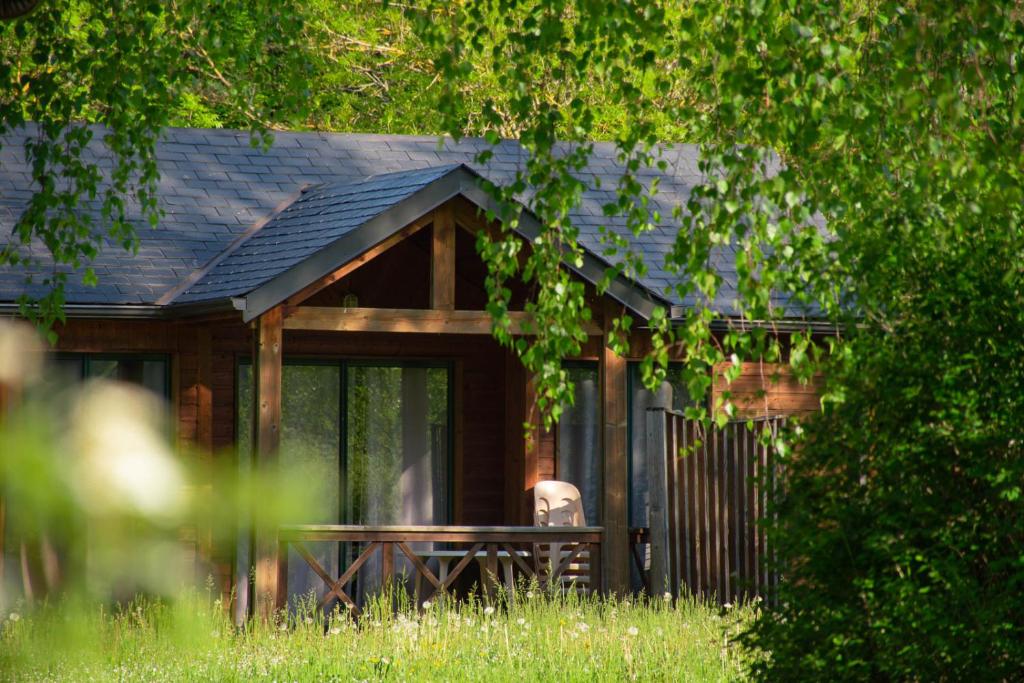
x=126, y=65
x=865, y=157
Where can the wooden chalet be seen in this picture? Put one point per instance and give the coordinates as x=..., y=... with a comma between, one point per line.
x=321, y=304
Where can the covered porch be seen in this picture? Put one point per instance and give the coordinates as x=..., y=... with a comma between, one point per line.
x=391, y=346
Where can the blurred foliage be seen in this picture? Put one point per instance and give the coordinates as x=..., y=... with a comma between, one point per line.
x=98, y=502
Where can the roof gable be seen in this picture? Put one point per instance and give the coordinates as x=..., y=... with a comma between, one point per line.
x=330, y=225
x=323, y=228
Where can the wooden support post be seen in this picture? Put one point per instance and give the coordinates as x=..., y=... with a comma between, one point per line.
x=615, y=512
x=516, y=483
x=204, y=391
x=442, y=262
x=267, y=353
x=531, y=443
x=658, y=494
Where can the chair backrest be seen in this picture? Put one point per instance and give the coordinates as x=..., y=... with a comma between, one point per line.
x=557, y=503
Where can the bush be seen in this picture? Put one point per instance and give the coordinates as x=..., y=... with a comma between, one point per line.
x=901, y=535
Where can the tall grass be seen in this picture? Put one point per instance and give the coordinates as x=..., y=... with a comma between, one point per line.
x=533, y=637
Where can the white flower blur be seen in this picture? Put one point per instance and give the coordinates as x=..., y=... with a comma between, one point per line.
x=633, y=631
x=488, y=611
x=126, y=464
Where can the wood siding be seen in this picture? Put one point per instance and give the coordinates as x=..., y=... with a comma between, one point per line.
x=766, y=389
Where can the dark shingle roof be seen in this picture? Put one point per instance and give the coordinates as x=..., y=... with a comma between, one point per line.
x=215, y=185
x=319, y=217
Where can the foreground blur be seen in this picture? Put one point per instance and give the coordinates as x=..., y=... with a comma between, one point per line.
x=96, y=500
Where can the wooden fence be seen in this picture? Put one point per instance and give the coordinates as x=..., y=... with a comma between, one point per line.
x=708, y=490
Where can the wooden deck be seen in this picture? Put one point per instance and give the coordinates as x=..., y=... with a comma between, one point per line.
x=519, y=543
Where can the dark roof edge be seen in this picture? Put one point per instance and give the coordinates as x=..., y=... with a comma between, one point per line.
x=782, y=325
x=133, y=311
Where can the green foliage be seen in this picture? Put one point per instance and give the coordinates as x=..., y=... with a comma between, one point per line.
x=864, y=160
x=125, y=65
x=900, y=536
x=539, y=637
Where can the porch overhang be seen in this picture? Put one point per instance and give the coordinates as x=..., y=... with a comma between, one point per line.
x=461, y=181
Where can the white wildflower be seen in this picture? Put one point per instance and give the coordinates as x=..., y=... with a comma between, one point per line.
x=488, y=611
x=283, y=627
x=426, y=604
x=633, y=631
x=308, y=620
x=520, y=621
x=14, y=616
x=529, y=595
x=583, y=627
x=335, y=630
x=667, y=596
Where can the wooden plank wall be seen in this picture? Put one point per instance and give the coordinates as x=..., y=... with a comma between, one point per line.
x=767, y=389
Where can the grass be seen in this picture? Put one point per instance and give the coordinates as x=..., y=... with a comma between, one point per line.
x=535, y=637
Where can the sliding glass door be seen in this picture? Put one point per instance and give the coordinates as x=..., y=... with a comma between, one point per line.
x=372, y=439
x=396, y=438
x=579, y=439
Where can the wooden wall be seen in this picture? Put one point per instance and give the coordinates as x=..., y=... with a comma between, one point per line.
x=766, y=390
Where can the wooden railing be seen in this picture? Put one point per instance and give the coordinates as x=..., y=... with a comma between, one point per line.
x=516, y=545
x=709, y=491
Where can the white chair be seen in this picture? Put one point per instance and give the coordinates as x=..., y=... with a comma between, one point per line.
x=559, y=503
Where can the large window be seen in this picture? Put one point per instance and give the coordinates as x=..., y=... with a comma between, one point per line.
x=149, y=371
x=579, y=439
x=373, y=440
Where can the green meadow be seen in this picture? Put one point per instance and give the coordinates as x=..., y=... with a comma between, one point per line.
x=535, y=637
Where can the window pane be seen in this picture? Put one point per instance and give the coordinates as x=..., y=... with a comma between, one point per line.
x=397, y=445
x=310, y=447
x=395, y=468
x=148, y=373
x=579, y=441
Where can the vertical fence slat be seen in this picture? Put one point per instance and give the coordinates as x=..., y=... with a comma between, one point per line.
x=708, y=504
